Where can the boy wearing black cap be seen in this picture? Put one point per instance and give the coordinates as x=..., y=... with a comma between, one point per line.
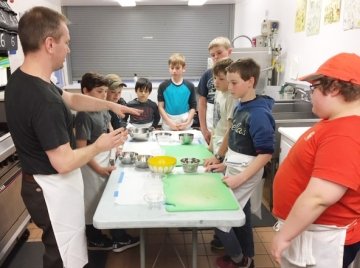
x=317, y=187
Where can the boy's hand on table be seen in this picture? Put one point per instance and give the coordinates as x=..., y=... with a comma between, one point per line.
x=215, y=167
x=211, y=161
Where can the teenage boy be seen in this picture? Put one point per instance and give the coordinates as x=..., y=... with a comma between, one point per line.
x=88, y=127
x=150, y=117
x=115, y=87
x=219, y=48
x=317, y=187
x=251, y=144
x=176, y=97
x=224, y=105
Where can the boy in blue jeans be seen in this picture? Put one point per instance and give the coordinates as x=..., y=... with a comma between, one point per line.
x=250, y=147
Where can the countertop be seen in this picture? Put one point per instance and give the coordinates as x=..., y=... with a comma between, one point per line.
x=292, y=133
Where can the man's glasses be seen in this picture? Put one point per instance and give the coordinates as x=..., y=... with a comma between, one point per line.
x=313, y=87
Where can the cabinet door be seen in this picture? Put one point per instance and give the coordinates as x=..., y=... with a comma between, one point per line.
x=285, y=146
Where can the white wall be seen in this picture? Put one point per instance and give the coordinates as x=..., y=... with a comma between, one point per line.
x=302, y=54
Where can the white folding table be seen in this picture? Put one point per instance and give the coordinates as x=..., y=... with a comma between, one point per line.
x=134, y=212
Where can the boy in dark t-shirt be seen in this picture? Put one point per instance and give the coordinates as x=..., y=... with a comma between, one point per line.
x=150, y=117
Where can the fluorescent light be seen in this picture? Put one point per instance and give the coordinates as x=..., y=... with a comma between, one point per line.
x=196, y=2
x=126, y=3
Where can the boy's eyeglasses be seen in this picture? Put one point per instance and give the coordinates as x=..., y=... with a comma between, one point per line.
x=313, y=87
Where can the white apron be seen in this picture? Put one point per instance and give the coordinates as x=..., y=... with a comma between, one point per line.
x=64, y=197
x=320, y=246
x=216, y=142
x=94, y=185
x=236, y=163
x=181, y=118
x=210, y=116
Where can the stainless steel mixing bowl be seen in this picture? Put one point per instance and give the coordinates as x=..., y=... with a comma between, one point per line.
x=190, y=165
x=140, y=134
x=186, y=138
x=127, y=158
x=141, y=161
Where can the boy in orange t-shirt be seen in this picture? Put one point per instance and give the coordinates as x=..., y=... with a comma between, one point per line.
x=317, y=187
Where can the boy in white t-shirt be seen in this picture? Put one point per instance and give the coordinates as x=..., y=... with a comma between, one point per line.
x=224, y=105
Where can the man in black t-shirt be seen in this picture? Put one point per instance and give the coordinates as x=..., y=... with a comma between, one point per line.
x=41, y=125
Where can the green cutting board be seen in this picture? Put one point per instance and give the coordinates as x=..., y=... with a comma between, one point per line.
x=197, y=192
x=181, y=151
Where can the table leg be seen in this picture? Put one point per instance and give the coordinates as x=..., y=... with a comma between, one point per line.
x=142, y=248
x=194, y=248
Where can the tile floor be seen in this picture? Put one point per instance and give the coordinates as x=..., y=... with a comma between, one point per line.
x=182, y=241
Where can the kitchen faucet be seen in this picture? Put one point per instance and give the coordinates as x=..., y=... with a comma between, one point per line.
x=294, y=89
x=244, y=36
x=304, y=94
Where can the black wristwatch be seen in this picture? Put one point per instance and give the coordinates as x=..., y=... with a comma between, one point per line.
x=219, y=157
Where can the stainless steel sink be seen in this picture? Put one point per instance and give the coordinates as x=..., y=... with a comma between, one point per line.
x=292, y=110
x=293, y=115
x=292, y=107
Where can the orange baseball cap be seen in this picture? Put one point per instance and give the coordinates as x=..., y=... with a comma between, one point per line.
x=343, y=66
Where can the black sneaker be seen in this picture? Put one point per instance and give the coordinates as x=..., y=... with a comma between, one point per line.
x=216, y=243
x=127, y=242
x=103, y=243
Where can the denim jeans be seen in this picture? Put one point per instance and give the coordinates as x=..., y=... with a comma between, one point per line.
x=240, y=239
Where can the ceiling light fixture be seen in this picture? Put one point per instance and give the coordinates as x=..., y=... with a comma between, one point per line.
x=196, y=2
x=126, y=3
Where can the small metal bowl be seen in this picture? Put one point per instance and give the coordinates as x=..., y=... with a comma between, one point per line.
x=186, y=138
x=140, y=134
x=163, y=136
x=190, y=165
x=127, y=158
x=141, y=161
